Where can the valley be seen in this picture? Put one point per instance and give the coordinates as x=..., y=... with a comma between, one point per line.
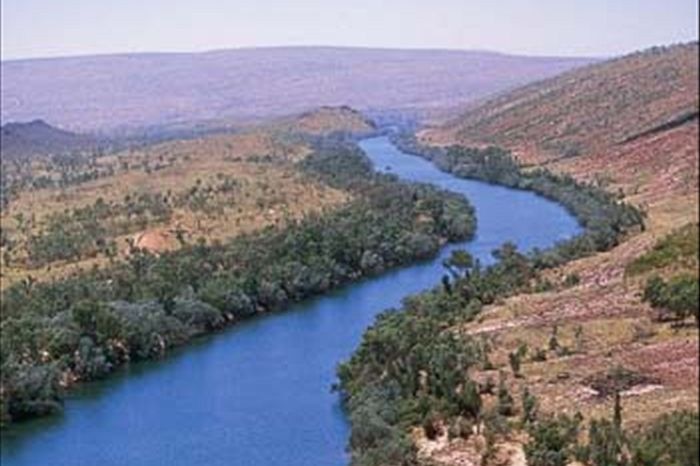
x=298, y=349
x=463, y=258
x=601, y=318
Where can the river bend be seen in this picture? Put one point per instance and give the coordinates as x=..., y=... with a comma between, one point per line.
x=259, y=393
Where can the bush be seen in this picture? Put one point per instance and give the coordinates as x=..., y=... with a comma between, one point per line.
x=672, y=440
x=679, y=247
x=680, y=295
x=552, y=441
x=141, y=307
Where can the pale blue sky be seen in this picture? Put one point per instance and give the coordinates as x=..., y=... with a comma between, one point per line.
x=38, y=28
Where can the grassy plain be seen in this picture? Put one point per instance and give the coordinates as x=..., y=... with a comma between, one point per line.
x=162, y=196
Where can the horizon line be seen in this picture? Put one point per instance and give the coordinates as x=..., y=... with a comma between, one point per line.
x=311, y=46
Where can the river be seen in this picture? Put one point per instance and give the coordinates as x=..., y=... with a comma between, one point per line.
x=259, y=393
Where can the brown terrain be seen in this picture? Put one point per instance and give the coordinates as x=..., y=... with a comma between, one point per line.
x=631, y=126
x=257, y=166
x=328, y=120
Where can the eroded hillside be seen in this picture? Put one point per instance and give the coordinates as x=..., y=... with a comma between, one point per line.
x=630, y=126
x=590, y=108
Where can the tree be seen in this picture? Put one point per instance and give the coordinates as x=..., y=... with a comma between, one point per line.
x=85, y=315
x=604, y=444
x=683, y=296
x=506, y=405
x=459, y=263
x=446, y=285
x=514, y=361
x=553, y=340
x=469, y=402
x=515, y=358
x=552, y=441
x=654, y=291
x=679, y=295
x=431, y=426
x=165, y=292
x=606, y=439
x=617, y=412
x=529, y=403
x=672, y=440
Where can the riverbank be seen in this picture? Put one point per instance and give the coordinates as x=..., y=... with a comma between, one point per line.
x=644, y=150
x=412, y=370
x=82, y=328
x=260, y=392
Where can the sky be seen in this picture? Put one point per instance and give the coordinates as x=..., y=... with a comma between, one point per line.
x=44, y=28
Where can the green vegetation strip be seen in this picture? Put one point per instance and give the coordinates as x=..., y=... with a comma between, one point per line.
x=83, y=327
x=679, y=249
x=412, y=367
x=677, y=297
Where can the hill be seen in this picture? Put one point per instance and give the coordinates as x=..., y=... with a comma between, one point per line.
x=328, y=120
x=39, y=138
x=120, y=257
x=628, y=123
x=63, y=214
x=630, y=126
x=592, y=107
x=116, y=91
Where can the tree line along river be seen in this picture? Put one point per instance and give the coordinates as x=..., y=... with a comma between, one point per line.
x=260, y=394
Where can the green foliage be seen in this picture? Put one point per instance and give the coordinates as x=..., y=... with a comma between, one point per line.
x=388, y=353
x=506, y=404
x=515, y=358
x=678, y=248
x=374, y=441
x=606, y=440
x=529, y=405
x=603, y=216
x=679, y=295
x=60, y=170
x=411, y=362
x=83, y=232
x=552, y=441
x=459, y=263
x=87, y=325
x=571, y=279
x=469, y=403
x=670, y=441
x=605, y=445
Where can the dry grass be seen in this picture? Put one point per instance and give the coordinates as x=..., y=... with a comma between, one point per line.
x=327, y=120
x=659, y=173
x=618, y=329
x=270, y=190
x=587, y=109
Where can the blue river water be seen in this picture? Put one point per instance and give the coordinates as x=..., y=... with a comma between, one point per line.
x=259, y=394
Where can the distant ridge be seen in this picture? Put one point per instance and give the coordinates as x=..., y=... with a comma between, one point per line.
x=106, y=93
